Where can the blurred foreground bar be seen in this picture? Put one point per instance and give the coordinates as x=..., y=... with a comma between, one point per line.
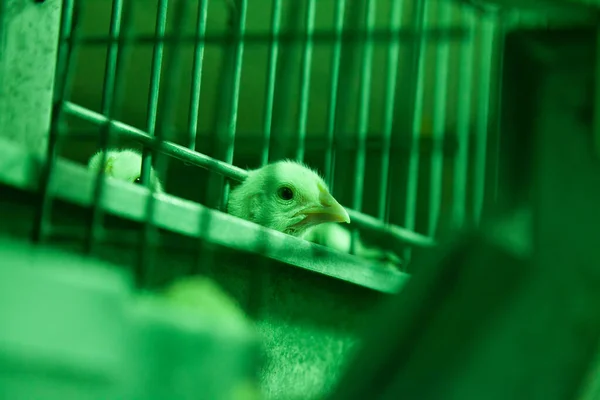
x=509, y=311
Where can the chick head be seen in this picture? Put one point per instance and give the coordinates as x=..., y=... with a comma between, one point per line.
x=286, y=196
x=125, y=165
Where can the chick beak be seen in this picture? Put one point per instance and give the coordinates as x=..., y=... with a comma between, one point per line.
x=328, y=210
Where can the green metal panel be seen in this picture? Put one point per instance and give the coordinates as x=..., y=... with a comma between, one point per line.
x=28, y=46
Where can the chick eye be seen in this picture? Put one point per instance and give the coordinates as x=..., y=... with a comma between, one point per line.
x=138, y=180
x=285, y=193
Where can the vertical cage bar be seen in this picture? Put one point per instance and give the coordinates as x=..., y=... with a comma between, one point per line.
x=150, y=235
x=418, y=69
x=350, y=74
x=496, y=82
x=288, y=67
x=305, y=79
x=2, y=38
x=464, y=99
x=596, y=104
x=154, y=89
x=226, y=118
x=203, y=258
x=363, y=114
x=68, y=35
x=109, y=90
x=414, y=157
x=444, y=18
x=340, y=6
x=271, y=79
x=486, y=31
x=393, y=56
x=110, y=69
x=235, y=94
x=197, y=74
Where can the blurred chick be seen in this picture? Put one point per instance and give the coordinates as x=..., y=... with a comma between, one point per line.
x=208, y=298
x=207, y=320
x=125, y=165
x=340, y=238
x=286, y=196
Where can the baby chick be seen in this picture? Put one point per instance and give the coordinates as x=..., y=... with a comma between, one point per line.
x=125, y=165
x=286, y=196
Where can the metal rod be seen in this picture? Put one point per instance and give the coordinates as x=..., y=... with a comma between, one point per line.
x=486, y=32
x=110, y=70
x=154, y=89
x=69, y=33
x=233, y=172
x=464, y=100
x=350, y=72
x=305, y=79
x=496, y=80
x=285, y=96
x=416, y=90
x=271, y=79
x=149, y=235
x=440, y=94
x=175, y=150
x=144, y=261
x=414, y=158
x=2, y=34
x=393, y=56
x=364, y=95
x=319, y=36
x=109, y=88
x=363, y=107
x=329, y=170
x=197, y=75
x=596, y=102
x=230, y=128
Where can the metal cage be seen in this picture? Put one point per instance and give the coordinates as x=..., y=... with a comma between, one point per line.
x=396, y=102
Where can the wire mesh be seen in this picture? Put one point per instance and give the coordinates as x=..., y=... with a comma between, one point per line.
x=351, y=92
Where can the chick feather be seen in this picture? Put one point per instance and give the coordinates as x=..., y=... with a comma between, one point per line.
x=286, y=196
x=278, y=196
x=125, y=165
x=338, y=237
x=193, y=323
